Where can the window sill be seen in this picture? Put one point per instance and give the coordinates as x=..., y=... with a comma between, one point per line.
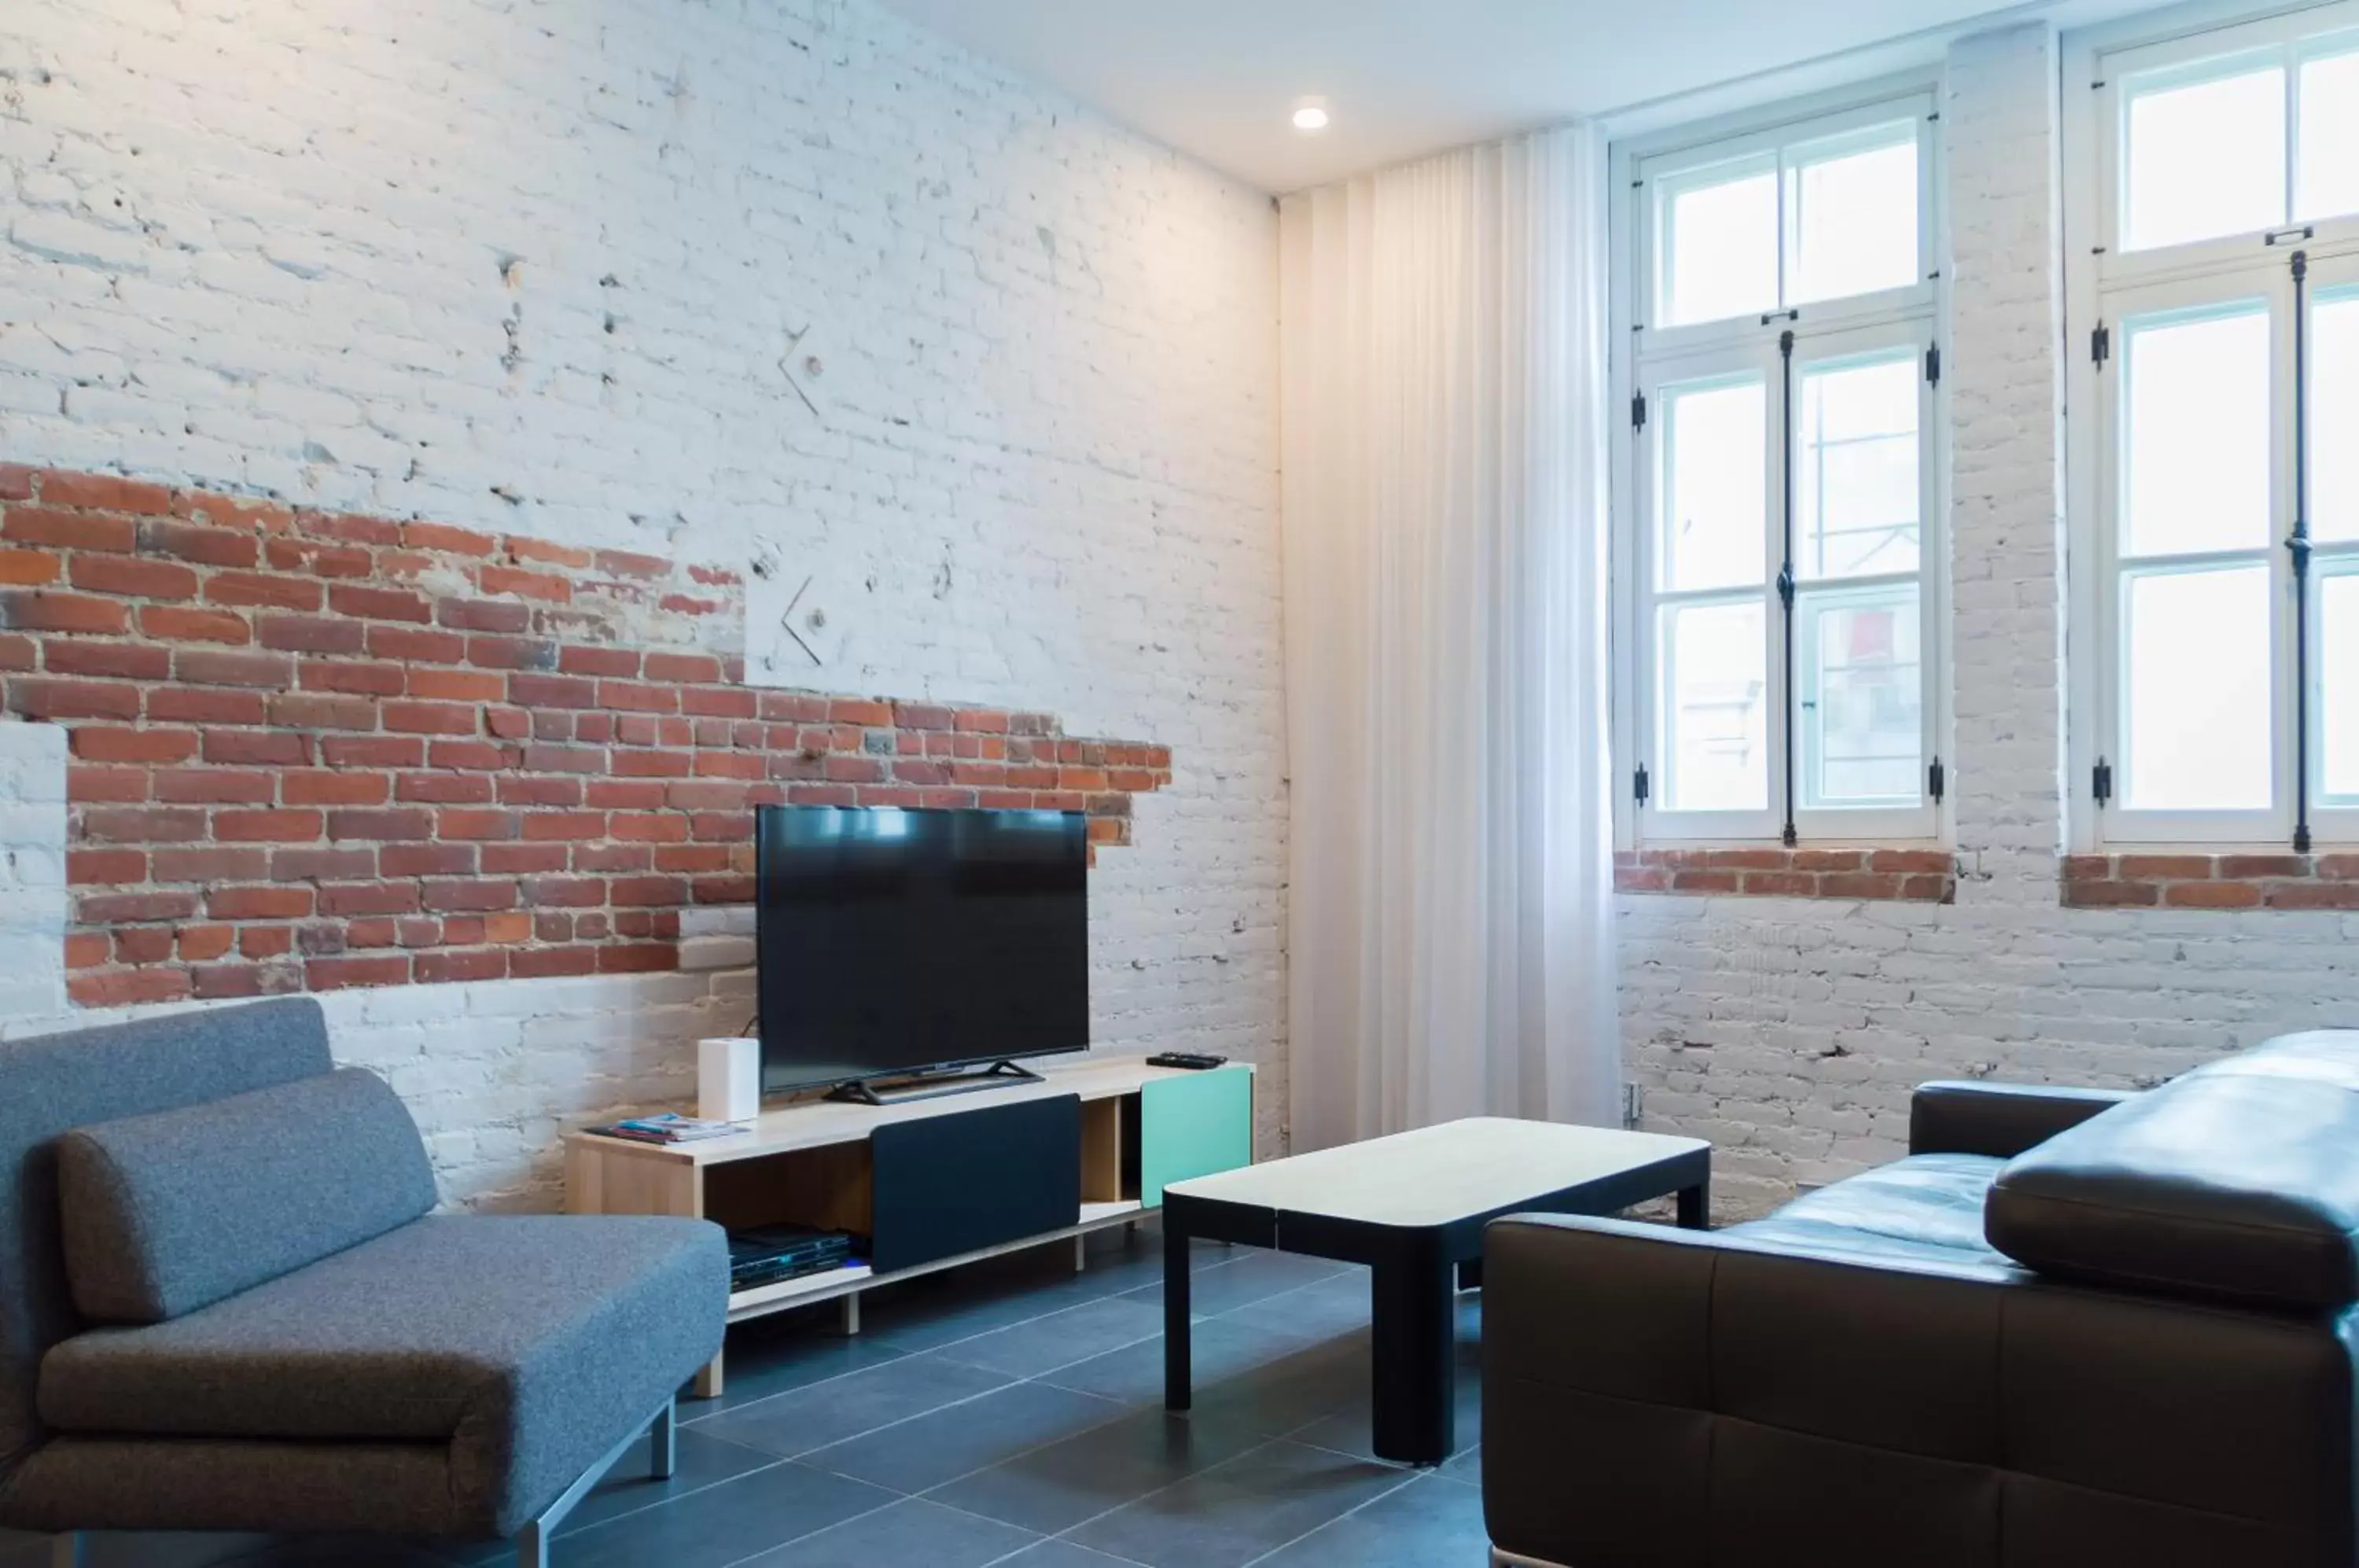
x=1896, y=875
x=2238, y=880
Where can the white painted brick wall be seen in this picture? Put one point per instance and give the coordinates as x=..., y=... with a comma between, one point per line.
x=537, y=266
x=1791, y=1032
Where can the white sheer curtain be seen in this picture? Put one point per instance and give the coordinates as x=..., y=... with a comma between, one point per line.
x=1443, y=397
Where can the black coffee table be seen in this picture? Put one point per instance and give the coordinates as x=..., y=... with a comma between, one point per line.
x=1412, y=1207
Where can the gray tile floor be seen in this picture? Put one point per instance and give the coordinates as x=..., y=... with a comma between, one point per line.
x=1011, y=1414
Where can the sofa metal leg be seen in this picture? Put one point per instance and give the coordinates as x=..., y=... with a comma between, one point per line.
x=532, y=1542
x=1509, y=1559
x=663, y=1439
x=66, y=1551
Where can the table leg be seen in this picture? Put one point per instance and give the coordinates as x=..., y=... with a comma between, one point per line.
x=1177, y=1377
x=1416, y=1356
x=1695, y=1207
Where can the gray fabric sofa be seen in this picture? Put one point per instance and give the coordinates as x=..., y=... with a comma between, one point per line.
x=225, y=1305
x=2072, y=1328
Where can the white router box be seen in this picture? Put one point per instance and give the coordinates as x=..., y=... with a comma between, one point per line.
x=729, y=1078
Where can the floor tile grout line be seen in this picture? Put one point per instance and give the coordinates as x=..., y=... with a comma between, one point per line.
x=896, y=1500
x=857, y=1437
x=1157, y=1491
x=885, y=1339
x=1109, y=1556
x=770, y=1462
x=1405, y=1482
x=1124, y=1412
x=1238, y=1457
x=1060, y=1366
x=1121, y=1412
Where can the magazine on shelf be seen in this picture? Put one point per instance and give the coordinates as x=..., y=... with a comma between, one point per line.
x=670, y=1126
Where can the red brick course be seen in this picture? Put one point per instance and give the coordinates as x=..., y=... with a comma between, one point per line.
x=312, y=750
x=1906, y=876
x=2244, y=880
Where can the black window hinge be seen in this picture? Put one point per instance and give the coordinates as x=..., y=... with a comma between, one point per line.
x=1937, y=781
x=2101, y=343
x=1638, y=784
x=1637, y=410
x=2101, y=781
x=1933, y=365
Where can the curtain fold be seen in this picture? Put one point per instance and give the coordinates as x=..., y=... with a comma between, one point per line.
x=1443, y=373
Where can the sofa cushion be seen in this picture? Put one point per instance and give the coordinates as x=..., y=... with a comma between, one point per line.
x=2237, y=1182
x=1928, y=1207
x=167, y=1213
x=528, y=1343
x=404, y=1336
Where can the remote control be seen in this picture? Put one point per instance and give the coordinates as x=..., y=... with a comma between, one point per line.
x=1194, y=1060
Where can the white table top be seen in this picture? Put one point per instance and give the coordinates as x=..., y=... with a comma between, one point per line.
x=1437, y=1175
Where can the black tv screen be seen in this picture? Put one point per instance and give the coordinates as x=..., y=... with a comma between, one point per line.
x=890, y=940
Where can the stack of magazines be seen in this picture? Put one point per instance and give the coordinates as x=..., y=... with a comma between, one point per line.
x=670, y=1126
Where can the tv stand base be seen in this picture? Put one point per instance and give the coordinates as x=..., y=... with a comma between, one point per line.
x=925, y=1086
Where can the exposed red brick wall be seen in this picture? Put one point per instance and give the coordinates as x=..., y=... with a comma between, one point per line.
x=314, y=750
x=1913, y=876
x=2200, y=881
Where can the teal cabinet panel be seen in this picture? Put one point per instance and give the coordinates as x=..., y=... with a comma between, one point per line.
x=1193, y=1124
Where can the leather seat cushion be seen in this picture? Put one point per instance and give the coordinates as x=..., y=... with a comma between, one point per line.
x=1927, y=1207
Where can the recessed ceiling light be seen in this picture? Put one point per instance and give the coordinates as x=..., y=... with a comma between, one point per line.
x=1310, y=115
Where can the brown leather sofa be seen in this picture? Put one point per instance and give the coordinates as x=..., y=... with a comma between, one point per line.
x=2071, y=1330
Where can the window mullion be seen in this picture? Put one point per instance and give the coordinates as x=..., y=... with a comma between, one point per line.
x=1791, y=716
x=2298, y=547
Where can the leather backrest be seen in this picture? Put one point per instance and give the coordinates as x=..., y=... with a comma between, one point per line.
x=2239, y=1181
x=51, y=1084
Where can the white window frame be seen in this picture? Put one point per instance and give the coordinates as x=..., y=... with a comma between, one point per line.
x=2335, y=278
x=1648, y=359
x=2107, y=286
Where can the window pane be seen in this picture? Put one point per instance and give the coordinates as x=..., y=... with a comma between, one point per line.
x=1720, y=244
x=2195, y=646
x=1714, y=522
x=2334, y=418
x=2329, y=177
x=2338, y=687
x=1863, y=700
x=1716, y=707
x=1855, y=490
x=2195, y=462
x=2205, y=158
x=1854, y=204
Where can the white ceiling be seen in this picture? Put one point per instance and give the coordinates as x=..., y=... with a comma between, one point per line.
x=1219, y=79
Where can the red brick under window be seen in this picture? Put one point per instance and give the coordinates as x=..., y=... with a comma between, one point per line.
x=1913, y=876
x=314, y=750
x=2243, y=881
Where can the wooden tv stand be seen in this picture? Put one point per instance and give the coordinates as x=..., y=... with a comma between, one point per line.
x=932, y=1183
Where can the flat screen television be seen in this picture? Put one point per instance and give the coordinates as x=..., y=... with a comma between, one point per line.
x=894, y=942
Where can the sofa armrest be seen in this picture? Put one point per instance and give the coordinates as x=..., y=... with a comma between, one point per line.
x=1629, y=1370
x=2000, y=1120
x=1666, y=1395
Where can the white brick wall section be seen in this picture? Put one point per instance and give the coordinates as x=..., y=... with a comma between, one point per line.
x=32, y=870
x=538, y=268
x=1790, y=1032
